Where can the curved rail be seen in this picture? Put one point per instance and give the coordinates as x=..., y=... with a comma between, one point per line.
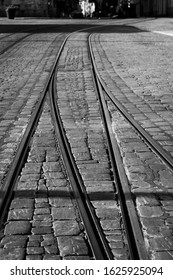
x=96, y=238
x=133, y=231
x=156, y=147
x=17, y=164
x=20, y=39
x=95, y=235
x=13, y=44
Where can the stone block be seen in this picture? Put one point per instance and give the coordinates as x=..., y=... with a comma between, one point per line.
x=66, y=228
x=17, y=228
x=74, y=245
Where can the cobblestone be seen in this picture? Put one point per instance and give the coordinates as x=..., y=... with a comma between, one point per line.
x=66, y=228
x=17, y=227
x=12, y=254
x=14, y=241
x=41, y=223
x=139, y=87
x=72, y=246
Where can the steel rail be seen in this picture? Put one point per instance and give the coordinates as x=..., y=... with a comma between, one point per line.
x=96, y=238
x=133, y=231
x=13, y=44
x=20, y=39
x=21, y=153
x=156, y=147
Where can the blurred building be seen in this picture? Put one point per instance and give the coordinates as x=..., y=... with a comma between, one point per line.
x=146, y=8
x=156, y=8
x=40, y=8
x=103, y=8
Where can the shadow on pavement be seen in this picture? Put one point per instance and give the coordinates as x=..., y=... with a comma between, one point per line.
x=68, y=27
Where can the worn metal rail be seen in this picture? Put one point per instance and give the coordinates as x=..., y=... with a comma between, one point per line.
x=18, y=161
x=96, y=238
x=134, y=234
x=98, y=243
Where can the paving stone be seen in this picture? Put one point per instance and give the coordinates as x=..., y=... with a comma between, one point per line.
x=51, y=257
x=29, y=185
x=41, y=230
x=66, y=228
x=60, y=202
x=153, y=222
x=17, y=228
x=120, y=253
x=19, y=203
x=39, y=200
x=20, y=214
x=110, y=225
x=82, y=258
x=74, y=245
x=40, y=223
x=42, y=205
x=48, y=242
x=114, y=237
x=52, y=156
x=33, y=238
x=54, y=175
x=31, y=168
x=47, y=237
x=158, y=231
x=41, y=218
x=116, y=244
x=107, y=213
x=34, y=243
x=162, y=255
x=166, y=178
x=148, y=199
x=169, y=221
x=56, y=183
x=35, y=250
x=29, y=177
x=150, y=211
x=51, y=249
x=12, y=254
x=51, y=166
x=33, y=257
x=160, y=244
x=14, y=241
x=63, y=213
x=41, y=211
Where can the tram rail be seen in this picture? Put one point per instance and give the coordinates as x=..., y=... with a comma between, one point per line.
x=95, y=235
x=133, y=231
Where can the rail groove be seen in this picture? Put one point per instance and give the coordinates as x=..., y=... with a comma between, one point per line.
x=134, y=234
x=17, y=164
x=96, y=238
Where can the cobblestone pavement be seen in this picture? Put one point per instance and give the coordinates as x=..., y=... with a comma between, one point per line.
x=136, y=65
x=45, y=225
x=42, y=222
x=139, y=61
x=24, y=70
x=80, y=112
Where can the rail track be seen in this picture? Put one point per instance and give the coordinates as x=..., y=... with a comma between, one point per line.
x=15, y=38
x=161, y=155
x=96, y=236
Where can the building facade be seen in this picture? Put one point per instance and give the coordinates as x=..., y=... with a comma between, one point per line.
x=156, y=8
x=147, y=8
x=64, y=8
x=40, y=8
